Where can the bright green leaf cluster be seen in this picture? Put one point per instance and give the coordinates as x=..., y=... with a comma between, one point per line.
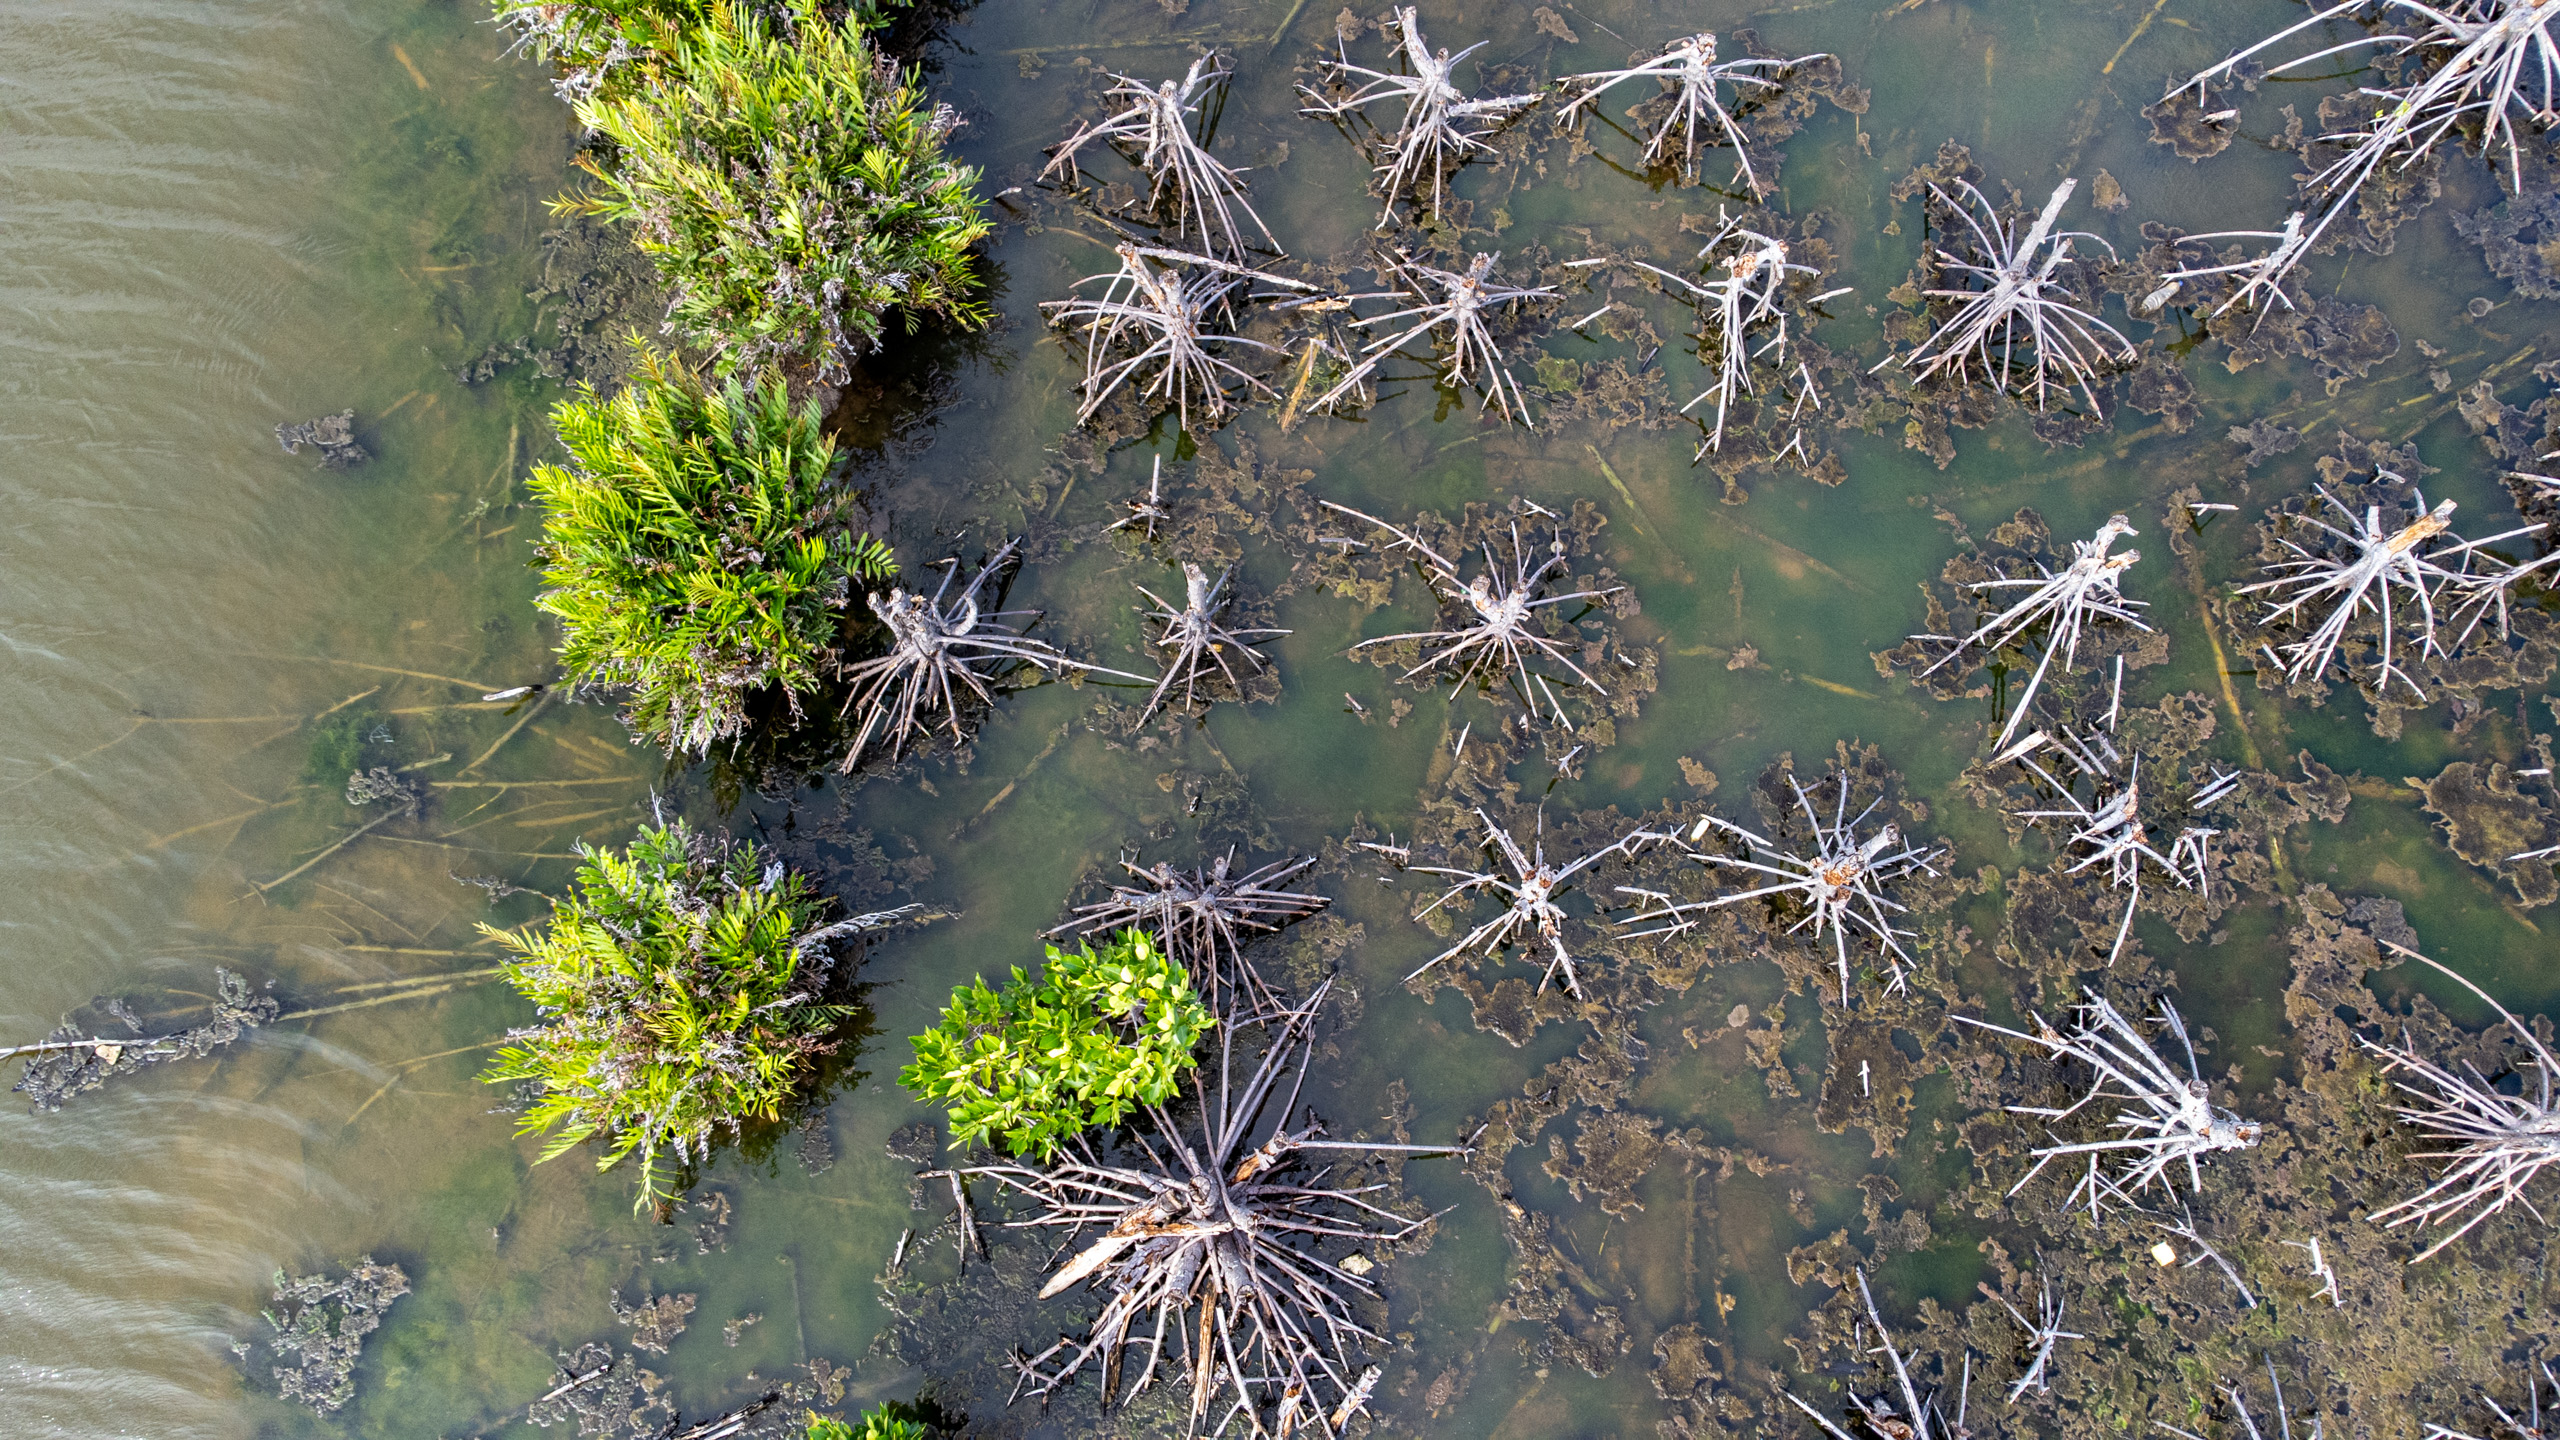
x=885, y=1421
x=679, y=986
x=1098, y=1034
x=694, y=549
x=791, y=185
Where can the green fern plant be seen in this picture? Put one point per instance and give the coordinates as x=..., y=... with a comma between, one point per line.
x=1097, y=1035
x=791, y=185
x=694, y=549
x=680, y=987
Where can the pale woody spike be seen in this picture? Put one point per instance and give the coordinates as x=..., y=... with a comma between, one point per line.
x=1919, y=1418
x=2484, y=63
x=2510, y=1426
x=2248, y=1423
x=944, y=652
x=2264, y=274
x=2366, y=567
x=1749, y=297
x=1195, y=640
x=2089, y=589
x=1456, y=303
x=1501, y=638
x=2112, y=826
x=1231, y=1263
x=1164, y=320
x=1204, y=917
x=2043, y=1332
x=2497, y=1144
x=1530, y=885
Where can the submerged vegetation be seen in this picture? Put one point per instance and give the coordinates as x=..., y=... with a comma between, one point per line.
x=685, y=991
x=75, y=1059
x=696, y=550
x=320, y=1325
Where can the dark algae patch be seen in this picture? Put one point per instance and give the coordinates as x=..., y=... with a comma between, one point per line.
x=319, y=1326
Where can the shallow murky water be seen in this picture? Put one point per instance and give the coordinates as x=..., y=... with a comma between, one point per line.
x=224, y=219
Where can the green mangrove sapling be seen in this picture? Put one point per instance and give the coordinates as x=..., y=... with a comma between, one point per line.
x=792, y=186
x=1099, y=1034
x=682, y=990
x=695, y=549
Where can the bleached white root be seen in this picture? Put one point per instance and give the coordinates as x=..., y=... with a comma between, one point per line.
x=1500, y=637
x=1530, y=885
x=1694, y=80
x=1919, y=1417
x=1458, y=307
x=1842, y=885
x=2169, y=1119
x=2089, y=589
x=2495, y=1144
x=2021, y=303
x=1156, y=126
x=1441, y=124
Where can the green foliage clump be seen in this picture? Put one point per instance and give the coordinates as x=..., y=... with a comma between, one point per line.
x=680, y=988
x=791, y=185
x=597, y=43
x=885, y=1421
x=694, y=549
x=1094, y=1037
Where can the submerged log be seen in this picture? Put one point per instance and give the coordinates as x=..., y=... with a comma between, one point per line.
x=68, y=1063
